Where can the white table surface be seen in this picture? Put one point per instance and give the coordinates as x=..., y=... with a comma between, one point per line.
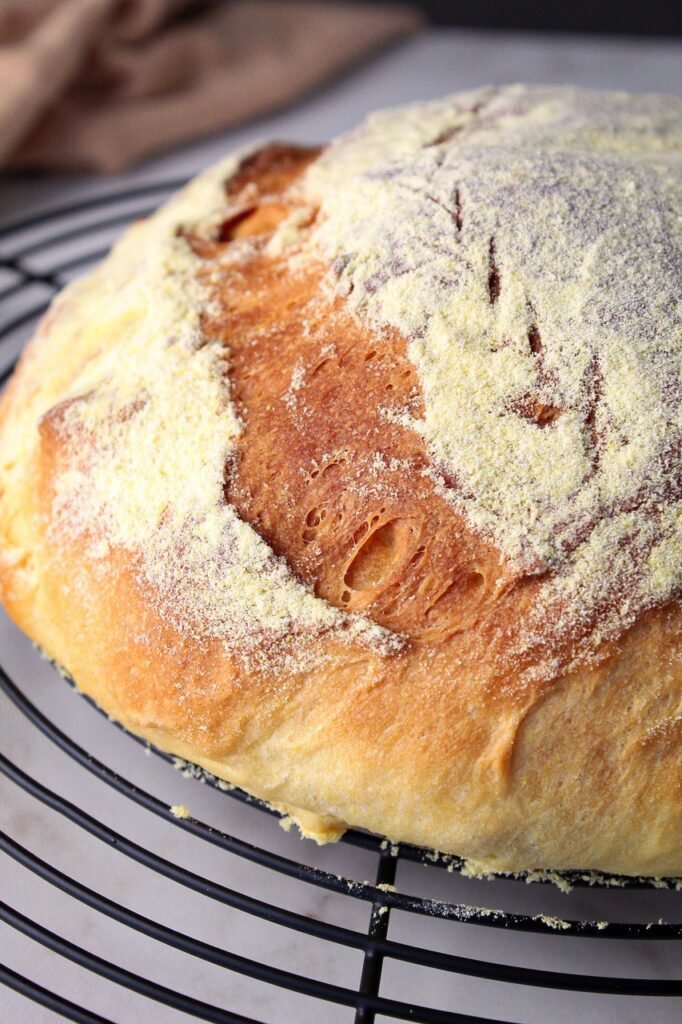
x=429, y=65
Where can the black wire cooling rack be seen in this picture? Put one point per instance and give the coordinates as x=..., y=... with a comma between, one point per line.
x=38, y=255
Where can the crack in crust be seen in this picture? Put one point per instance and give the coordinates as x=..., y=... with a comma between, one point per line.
x=328, y=481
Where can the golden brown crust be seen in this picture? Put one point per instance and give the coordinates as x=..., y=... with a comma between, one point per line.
x=453, y=742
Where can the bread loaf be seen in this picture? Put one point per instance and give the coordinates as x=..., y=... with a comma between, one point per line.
x=353, y=475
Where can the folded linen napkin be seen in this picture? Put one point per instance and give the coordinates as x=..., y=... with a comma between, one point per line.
x=101, y=84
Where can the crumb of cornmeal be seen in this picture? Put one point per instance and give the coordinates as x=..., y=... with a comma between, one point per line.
x=552, y=922
x=179, y=811
x=527, y=243
x=286, y=823
x=394, y=848
x=554, y=877
x=472, y=869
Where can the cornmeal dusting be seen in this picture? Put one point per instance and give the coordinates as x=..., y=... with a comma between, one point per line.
x=153, y=429
x=527, y=243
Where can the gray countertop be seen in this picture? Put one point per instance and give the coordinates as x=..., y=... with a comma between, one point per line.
x=431, y=64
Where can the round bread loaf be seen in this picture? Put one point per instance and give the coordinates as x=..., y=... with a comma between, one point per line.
x=353, y=475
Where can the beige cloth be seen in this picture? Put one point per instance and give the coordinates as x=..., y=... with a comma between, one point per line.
x=100, y=84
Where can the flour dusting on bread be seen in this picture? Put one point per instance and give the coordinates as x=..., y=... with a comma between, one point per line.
x=527, y=242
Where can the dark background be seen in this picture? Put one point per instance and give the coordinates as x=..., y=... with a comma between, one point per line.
x=646, y=17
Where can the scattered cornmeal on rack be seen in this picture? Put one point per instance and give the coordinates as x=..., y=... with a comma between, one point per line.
x=354, y=476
